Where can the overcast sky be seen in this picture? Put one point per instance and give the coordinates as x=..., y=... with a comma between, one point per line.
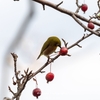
x=76, y=77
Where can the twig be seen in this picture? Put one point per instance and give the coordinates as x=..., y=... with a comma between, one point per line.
x=78, y=7
x=98, y=3
x=43, y=6
x=6, y=98
x=65, y=42
x=59, y=4
x=11, y=90
x=79, y=46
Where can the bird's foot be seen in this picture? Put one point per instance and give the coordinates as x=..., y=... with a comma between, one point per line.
x=50, y=59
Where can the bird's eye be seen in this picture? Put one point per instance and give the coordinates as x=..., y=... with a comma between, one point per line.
x=56, y=44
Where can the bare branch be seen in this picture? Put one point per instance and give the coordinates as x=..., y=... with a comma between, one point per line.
x=15, y=67
x=11, y=90
x=62, y=10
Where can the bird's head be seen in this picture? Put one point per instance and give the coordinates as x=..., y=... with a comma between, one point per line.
x=56, y=41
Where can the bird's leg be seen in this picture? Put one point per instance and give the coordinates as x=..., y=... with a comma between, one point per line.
x=49, y=59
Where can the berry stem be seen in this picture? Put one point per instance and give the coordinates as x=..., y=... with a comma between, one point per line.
x=36, y=81
x=50, y=67
x=84, y=1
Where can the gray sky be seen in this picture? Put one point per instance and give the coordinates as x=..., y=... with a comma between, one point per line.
x=76, y=77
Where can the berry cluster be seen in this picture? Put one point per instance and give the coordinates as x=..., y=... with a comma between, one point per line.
x=84, y=8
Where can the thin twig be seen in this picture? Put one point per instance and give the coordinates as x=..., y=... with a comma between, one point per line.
x=11, y=90
x=6, y=98
x=78, y=7
x=15, y=60
x=65, y=43
x=59, y=4
x=98, y=3
x=77, y=42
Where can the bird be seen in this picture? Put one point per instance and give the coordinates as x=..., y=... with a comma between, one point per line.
x=50, y=46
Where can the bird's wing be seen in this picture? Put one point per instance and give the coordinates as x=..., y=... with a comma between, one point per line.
x=44, y=47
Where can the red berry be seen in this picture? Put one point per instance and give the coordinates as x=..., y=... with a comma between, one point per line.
x=36, y=92
x=63, y=51
x=49, y=77
x=90, y=25
x=84, y=7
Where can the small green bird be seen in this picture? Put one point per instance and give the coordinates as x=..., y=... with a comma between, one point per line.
x=50, y=46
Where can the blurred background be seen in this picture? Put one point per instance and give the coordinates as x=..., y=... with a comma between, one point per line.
x=24, y=26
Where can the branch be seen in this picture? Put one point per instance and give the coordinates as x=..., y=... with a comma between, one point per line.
x=74, y=15
x=47, y=63
x=20, y=82
x=65, y=43
x=98, y=3
x=85, y=27
x=59, y=4
x=28, y=75
x=78, y=7
x=15, y=60
x=76, y=43
x=62, y=10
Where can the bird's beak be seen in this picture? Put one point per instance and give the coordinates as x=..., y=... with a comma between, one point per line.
x=59, y=46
